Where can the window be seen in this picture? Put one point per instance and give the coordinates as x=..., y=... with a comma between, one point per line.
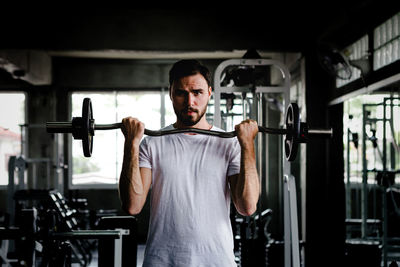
x=12, y=115
x=354, y=121
x=371, y=152
x=387, y=42
x=104, y=167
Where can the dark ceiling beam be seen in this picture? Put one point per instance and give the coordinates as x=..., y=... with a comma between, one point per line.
x=275, y=27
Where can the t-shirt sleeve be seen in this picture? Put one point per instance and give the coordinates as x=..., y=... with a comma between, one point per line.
x=144, y=154
x=234, y=161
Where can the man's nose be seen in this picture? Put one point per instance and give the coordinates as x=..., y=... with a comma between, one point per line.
x=190, y=99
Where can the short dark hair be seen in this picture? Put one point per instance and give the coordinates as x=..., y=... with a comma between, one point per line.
x=188, y=67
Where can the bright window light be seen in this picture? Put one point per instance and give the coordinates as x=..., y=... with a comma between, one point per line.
x=104, y=166
x=12, y=115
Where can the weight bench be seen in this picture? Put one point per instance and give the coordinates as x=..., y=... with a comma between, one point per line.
x=31, y=241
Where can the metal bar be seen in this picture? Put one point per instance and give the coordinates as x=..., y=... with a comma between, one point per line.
x=32, y=125
x=217, y=107
x=88, y=234
x=4, y=261
x=286, y=219
x=320, y=132
x=118, y=249
x=261, y=129
x=384, y=160
x=66, y=127
x=247, y=89
x=59, y=127
x=271, y=89
x=190, y=130
x=392, y=148
x=162, y=108
x=385, y=227
x=11, y=188
x=348, y=189
x=112, y=126
x=258, y=98
x=294, y=230
x=364, y=190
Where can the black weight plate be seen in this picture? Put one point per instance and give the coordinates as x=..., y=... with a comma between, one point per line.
x=87, y=118
x=293, y=126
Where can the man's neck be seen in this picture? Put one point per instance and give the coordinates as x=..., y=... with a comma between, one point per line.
x=202, y=124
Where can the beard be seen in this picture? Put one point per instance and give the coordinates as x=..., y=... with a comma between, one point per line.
x=189, y=120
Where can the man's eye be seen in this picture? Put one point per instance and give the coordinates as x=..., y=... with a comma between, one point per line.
x=199, y=92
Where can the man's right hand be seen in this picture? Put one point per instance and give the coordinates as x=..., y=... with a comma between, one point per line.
x=133, y=129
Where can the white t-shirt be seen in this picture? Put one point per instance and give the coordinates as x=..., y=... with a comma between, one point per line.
x=190, y=199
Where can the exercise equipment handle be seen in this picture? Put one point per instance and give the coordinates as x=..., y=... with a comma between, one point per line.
x=83, y=128
x=107, y=126
x=321, y=132
x=66, y=127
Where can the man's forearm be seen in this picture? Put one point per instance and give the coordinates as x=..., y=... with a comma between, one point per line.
x=131, y=189
x=247, y=188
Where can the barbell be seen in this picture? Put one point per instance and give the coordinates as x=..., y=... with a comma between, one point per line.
x=83, y=128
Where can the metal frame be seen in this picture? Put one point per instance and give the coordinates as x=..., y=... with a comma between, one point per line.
x=291, y=238
x=218, y=89
x=115, y=234
x=364, y=195
x=291, y=253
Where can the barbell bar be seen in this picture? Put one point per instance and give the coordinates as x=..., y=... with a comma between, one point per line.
x=83, y=128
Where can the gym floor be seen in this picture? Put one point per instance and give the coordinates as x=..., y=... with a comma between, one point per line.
x=140, y=256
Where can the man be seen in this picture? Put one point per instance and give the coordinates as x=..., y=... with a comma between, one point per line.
x=193, y=178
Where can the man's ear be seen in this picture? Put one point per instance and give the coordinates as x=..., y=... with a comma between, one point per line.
x=209, y=92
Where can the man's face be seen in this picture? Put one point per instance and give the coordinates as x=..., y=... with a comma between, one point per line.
x=190, y=96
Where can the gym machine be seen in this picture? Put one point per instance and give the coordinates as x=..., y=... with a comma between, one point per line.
x=376, y=227
x=385, y=177
x=240, y=76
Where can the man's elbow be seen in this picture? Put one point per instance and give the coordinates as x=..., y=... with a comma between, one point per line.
x=131, y=210
x=247, y=210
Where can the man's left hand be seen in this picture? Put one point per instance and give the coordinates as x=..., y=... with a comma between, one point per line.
x=246, y=132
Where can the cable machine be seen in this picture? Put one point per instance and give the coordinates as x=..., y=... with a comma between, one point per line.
x=238, y=79
x=379, y=169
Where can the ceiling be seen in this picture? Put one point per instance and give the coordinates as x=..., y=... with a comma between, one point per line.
x=205, y=32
